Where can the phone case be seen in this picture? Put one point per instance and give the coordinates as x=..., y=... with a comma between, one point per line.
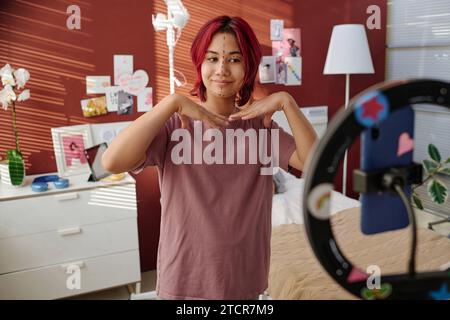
x=388, y=145
x=93, y=156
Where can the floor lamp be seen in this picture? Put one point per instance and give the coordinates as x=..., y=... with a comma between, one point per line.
x=348, y=53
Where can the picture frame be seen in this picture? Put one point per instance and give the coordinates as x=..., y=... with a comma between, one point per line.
x=69, y=144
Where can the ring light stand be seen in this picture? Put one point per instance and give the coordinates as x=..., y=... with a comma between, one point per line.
x=364, y=111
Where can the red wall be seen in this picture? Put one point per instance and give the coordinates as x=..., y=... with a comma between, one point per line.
x=33, y=35
x=316, y=20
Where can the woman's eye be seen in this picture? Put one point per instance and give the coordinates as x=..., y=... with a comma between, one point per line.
x=214, y=59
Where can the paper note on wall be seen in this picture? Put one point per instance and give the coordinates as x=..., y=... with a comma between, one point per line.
x=276, y=29
x=135, y=83
x=97, y=84
x=145, y=100
x=112, y=98
x=293, y=71
x=123, y=64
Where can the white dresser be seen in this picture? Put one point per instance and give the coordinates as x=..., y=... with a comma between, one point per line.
x=65, y=242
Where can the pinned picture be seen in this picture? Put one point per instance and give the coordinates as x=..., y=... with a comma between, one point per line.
x=97, y=84
x=280, y=67
x=290, y=46
x=123, y=64
x=267, y=69
x=145, y=100
x=94, y=107
x=293, y=71
x=276, y=29
x=134, y=83
x=112, y=98
x=125, y=103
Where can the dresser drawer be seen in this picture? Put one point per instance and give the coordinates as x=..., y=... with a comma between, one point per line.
x=51, y=282
x=66, y=244
x=50, y=212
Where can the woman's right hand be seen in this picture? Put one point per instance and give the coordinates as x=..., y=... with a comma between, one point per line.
x=186, y=108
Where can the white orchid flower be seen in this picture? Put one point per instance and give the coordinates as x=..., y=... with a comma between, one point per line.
x=10, y=92
x=6, y=70
x=7, y=95
x=6, y=74
x=3, y=100
x=22, y=76
x=24, y=95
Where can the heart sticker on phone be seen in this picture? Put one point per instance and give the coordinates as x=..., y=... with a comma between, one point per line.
x=405, y=144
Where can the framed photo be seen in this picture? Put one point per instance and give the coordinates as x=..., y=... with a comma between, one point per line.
x=69, y=144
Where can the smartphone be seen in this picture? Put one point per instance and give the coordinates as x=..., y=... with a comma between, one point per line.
x=381, y=147
x=94, y=158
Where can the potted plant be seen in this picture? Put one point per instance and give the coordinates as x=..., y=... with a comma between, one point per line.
x=434, y=166
x=12, y=170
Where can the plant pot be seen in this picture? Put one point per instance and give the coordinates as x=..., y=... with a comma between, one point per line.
x=5, y=176
x=4, y=173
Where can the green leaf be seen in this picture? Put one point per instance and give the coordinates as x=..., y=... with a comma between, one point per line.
x=430, y=166
x=16, y=167
x=417, y=202
x=445, y=171
x=437, y=191
x=447, y=161
x=434, y=153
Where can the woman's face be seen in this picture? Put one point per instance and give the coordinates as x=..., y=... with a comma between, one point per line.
x=223, y=66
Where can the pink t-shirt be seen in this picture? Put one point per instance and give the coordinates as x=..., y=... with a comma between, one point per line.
x=216, y=217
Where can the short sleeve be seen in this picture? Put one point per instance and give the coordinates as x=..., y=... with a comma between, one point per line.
x=286, y=146
x=156, y=152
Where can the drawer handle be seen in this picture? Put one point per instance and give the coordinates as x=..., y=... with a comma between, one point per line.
x=79, y=264
x=69, y=231
x=66, y=196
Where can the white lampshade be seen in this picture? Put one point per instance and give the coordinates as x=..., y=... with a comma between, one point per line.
x=348, y=52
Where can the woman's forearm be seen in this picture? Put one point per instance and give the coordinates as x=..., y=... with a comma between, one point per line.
x=301, y=128
x=128, y=149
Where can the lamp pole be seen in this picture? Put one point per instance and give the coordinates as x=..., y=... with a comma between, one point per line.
x=344, y=174
x=348, y=53
x=171, y=45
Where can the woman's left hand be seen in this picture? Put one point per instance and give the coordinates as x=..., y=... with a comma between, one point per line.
x=266, y=106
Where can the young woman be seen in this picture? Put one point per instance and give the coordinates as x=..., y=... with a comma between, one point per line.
x=216, y=211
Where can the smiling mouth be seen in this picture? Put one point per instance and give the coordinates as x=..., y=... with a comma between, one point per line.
x=223, y=83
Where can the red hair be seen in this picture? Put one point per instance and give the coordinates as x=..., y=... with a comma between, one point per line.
x=248, y=44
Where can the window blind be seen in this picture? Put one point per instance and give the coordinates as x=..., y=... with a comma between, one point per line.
x=418, y=46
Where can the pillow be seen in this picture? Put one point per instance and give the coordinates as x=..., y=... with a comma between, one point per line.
x=279, y=181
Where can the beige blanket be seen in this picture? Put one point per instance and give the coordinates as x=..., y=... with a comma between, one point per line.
x=296, y=274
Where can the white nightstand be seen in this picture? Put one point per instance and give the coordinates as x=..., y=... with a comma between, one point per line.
x=90, y=227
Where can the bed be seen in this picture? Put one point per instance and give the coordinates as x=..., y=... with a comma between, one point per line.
x=296, y=274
